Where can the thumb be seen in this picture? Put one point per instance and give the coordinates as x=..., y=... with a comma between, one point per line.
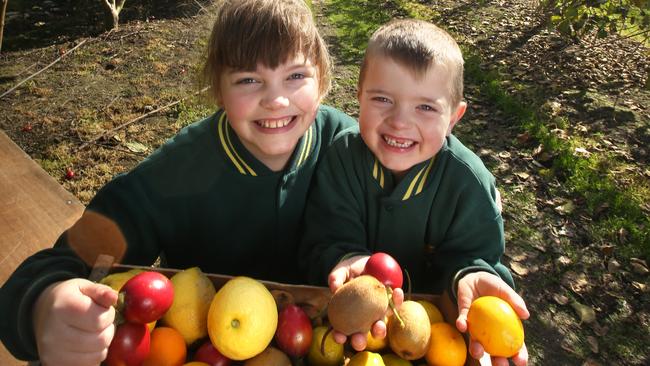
x=100, y=294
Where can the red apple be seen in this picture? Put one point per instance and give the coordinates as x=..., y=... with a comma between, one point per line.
x=386, y=269
x=294, y=332
x=146, y=297
x=130, y=345
x=210, y=355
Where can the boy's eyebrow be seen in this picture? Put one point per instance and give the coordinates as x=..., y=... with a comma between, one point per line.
x=424, y=99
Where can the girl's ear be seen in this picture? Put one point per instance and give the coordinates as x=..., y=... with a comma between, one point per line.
x=456, y=115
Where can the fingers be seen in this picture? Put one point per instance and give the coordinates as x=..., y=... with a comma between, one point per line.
x=358, y=341
x=337, y=278
x=521, y=358
x=102, y=295
x=475, y=349
x=398, y=297
x=499, y=361
x=339, y=337
x=378, y=330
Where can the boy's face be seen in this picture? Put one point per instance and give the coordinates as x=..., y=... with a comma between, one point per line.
x=270, y=109
x=404, y=118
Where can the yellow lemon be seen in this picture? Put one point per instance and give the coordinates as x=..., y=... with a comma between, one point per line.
x=117, y=280
x=493, y=323
x=447, y=346
x=242, y=318
x=435, y=316
x=193, y=294
x=391, y=359
x=366, y=358
x=332, y=352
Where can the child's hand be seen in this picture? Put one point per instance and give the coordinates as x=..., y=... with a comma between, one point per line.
x=73, y=323
x=344, y=272
x=477, y=284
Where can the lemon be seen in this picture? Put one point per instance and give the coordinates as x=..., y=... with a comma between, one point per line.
x=493, y=323
x=391, y=359
x=193, y=293
x=117, y=280
x=333, y=352
x=435, y=316
x=242, y=318
x=366, y=358
x=447, y=346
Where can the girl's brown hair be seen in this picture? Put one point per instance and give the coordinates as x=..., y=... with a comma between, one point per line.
x=248, y=32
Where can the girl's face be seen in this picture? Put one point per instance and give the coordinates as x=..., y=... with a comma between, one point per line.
x=270, y=109
x=404, y=119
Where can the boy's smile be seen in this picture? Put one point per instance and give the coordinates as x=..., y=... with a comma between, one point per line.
x=270, y=109
x=404, y=118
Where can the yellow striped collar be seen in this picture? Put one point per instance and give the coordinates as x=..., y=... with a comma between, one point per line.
x=224, y=137
x=415, y=185
x=306, y=149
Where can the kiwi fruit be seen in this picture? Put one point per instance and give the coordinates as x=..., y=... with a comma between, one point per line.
x=357, y=305
x=410, y=340
x=271, y=356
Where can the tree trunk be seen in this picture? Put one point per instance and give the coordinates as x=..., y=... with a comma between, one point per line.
x=3, y=11
x=116, y=18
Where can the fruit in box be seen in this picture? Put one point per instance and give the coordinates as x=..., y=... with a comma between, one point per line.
x=193, y=294
x=269, y=357
x=409, y=339
x=366, y=358
x=208, y=354
x=357, y=305
x=145, y=297
x=130, y=345
x=332, y=352
x=294, y=332
x=242, y=318
x=447, y=346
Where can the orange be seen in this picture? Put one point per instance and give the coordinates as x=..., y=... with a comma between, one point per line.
x=447, y=347
x=242, y=318
x=167, y=348
x=493, y=322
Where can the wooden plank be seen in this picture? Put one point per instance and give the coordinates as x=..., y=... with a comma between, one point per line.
x=34, y=210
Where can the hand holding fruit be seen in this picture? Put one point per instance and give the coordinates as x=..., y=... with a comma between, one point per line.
x=478, y=284
x=73, y=322
x=345, y=271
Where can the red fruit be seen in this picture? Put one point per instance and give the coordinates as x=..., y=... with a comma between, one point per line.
x=69, y=173
x=210, y=355
x=146, y=297
x=386, y=269
x=294, y=332
x=27, y=127
x=130, y=345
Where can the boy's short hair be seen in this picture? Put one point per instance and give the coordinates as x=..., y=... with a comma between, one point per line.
x=417, y=45
x=248, y=32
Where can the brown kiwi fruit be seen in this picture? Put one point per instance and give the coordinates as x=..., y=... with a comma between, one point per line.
x=411, y=340
x=271, y=356
x=357, y=305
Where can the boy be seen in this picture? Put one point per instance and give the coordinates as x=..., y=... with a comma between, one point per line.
x=226, y=194
x=405, y=185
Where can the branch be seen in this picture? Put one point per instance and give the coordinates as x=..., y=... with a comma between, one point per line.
x=95, y=139
x=43, y=69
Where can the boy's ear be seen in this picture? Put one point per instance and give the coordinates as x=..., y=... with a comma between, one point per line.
x=456, y=116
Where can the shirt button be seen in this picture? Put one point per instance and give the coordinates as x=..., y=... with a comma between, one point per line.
x=429, y=249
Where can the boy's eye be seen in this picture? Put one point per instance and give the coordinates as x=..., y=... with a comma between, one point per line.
x=427, y=108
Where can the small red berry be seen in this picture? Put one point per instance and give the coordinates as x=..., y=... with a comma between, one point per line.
x=27, y=127
x=69, y=173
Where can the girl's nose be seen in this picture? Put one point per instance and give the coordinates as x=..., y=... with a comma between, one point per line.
x=274, y=99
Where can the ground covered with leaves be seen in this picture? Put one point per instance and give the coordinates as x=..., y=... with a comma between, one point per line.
x=563, y=125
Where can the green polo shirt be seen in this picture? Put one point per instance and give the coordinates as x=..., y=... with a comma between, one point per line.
x=200, y=200
x=439, y=219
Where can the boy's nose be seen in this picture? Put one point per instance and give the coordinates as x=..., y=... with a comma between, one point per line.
x=398, y=119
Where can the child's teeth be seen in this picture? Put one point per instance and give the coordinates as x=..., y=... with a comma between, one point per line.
x=401, y=144
x=274, y=123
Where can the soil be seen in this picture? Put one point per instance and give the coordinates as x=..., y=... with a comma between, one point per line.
x=82, y=114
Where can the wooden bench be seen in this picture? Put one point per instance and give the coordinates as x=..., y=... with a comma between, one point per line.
x=34, y=210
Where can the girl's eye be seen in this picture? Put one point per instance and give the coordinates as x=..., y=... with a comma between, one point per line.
x=381, y=99
x=246, y=81
x=297, y=76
